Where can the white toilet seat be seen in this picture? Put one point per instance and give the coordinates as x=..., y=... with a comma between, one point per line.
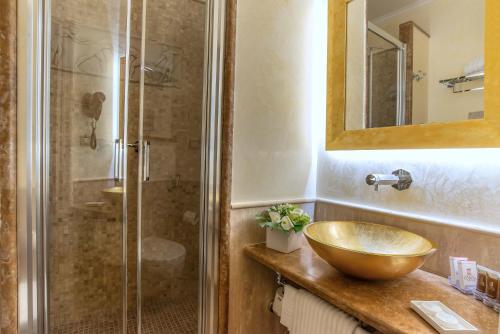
x=159, y=250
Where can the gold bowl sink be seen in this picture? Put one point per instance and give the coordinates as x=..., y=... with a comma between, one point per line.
x=368, y=251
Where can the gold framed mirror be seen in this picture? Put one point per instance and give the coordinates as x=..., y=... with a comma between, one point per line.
x=467, y=133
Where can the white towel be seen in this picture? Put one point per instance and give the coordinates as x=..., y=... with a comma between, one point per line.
x=475, y=66
x=360, y=330
x=304, y=313
x=288, y=306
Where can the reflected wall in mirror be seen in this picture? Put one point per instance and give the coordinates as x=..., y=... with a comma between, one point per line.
x=413, y=62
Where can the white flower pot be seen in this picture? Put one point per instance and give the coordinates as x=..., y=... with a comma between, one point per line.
x=283, y=242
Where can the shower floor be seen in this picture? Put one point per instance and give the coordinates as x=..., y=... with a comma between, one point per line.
x=161, y=318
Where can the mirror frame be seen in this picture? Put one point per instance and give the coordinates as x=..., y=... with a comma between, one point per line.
x=484, y=133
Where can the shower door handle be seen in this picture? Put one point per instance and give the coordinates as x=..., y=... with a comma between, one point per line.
x=145, y=160
x=117, y=160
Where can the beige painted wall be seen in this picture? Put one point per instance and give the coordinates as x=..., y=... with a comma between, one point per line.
x=276, y=122
x=456, y=28
x=274, y=150
x=458, y=187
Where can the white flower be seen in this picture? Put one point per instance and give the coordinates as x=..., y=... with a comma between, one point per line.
x=275, y=217
x=297, y=212
x=286, y=223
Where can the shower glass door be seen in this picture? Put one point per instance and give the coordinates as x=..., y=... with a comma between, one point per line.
x=132, y=111
x=386, y=82
x=85, y=269
x=173, y=36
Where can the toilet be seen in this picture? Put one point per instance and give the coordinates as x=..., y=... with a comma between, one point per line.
x=162, y=264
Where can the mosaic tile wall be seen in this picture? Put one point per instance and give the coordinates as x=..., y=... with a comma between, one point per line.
x=165, y=205
x=384, y=93
x=85, y=223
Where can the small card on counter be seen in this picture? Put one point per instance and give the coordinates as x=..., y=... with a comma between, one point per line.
x=467, y=275
x=454, y=270
x=442, y=318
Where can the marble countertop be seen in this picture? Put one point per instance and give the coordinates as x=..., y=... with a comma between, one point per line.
x=384, y=305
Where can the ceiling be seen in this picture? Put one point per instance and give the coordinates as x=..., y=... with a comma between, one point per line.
x=378, y=8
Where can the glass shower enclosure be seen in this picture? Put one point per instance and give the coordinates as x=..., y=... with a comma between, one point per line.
x=122, y=139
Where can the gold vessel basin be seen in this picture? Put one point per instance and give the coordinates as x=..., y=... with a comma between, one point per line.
x=368, y=251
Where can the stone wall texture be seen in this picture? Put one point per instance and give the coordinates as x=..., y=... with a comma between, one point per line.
x=8, y=228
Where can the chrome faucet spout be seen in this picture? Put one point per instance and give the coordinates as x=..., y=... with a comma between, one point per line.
x=399, y=179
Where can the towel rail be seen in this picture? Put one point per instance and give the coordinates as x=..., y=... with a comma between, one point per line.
x=453, y=82
x=280, y=281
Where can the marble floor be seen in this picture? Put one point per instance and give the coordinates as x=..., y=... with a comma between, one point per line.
x=160, y=318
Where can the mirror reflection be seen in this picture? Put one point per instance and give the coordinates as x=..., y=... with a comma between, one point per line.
x=413, y=62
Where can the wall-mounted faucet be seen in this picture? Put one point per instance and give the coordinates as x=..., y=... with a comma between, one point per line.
x=399, y=179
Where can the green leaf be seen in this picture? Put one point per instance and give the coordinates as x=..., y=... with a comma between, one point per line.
x=284, y=209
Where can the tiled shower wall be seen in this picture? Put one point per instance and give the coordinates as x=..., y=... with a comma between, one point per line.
x=384, y=92
x=85, y=225
x=8, y=254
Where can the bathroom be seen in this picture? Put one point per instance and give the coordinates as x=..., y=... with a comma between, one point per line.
x=142, y=140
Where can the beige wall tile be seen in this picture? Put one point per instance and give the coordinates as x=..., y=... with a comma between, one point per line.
x=251, y=285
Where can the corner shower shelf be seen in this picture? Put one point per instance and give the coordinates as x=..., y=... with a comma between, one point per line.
x=453, y=82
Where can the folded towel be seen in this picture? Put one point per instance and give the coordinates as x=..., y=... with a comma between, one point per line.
x=304, y=313
x=475, y=66
x=360, y=330
x=288, y=305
